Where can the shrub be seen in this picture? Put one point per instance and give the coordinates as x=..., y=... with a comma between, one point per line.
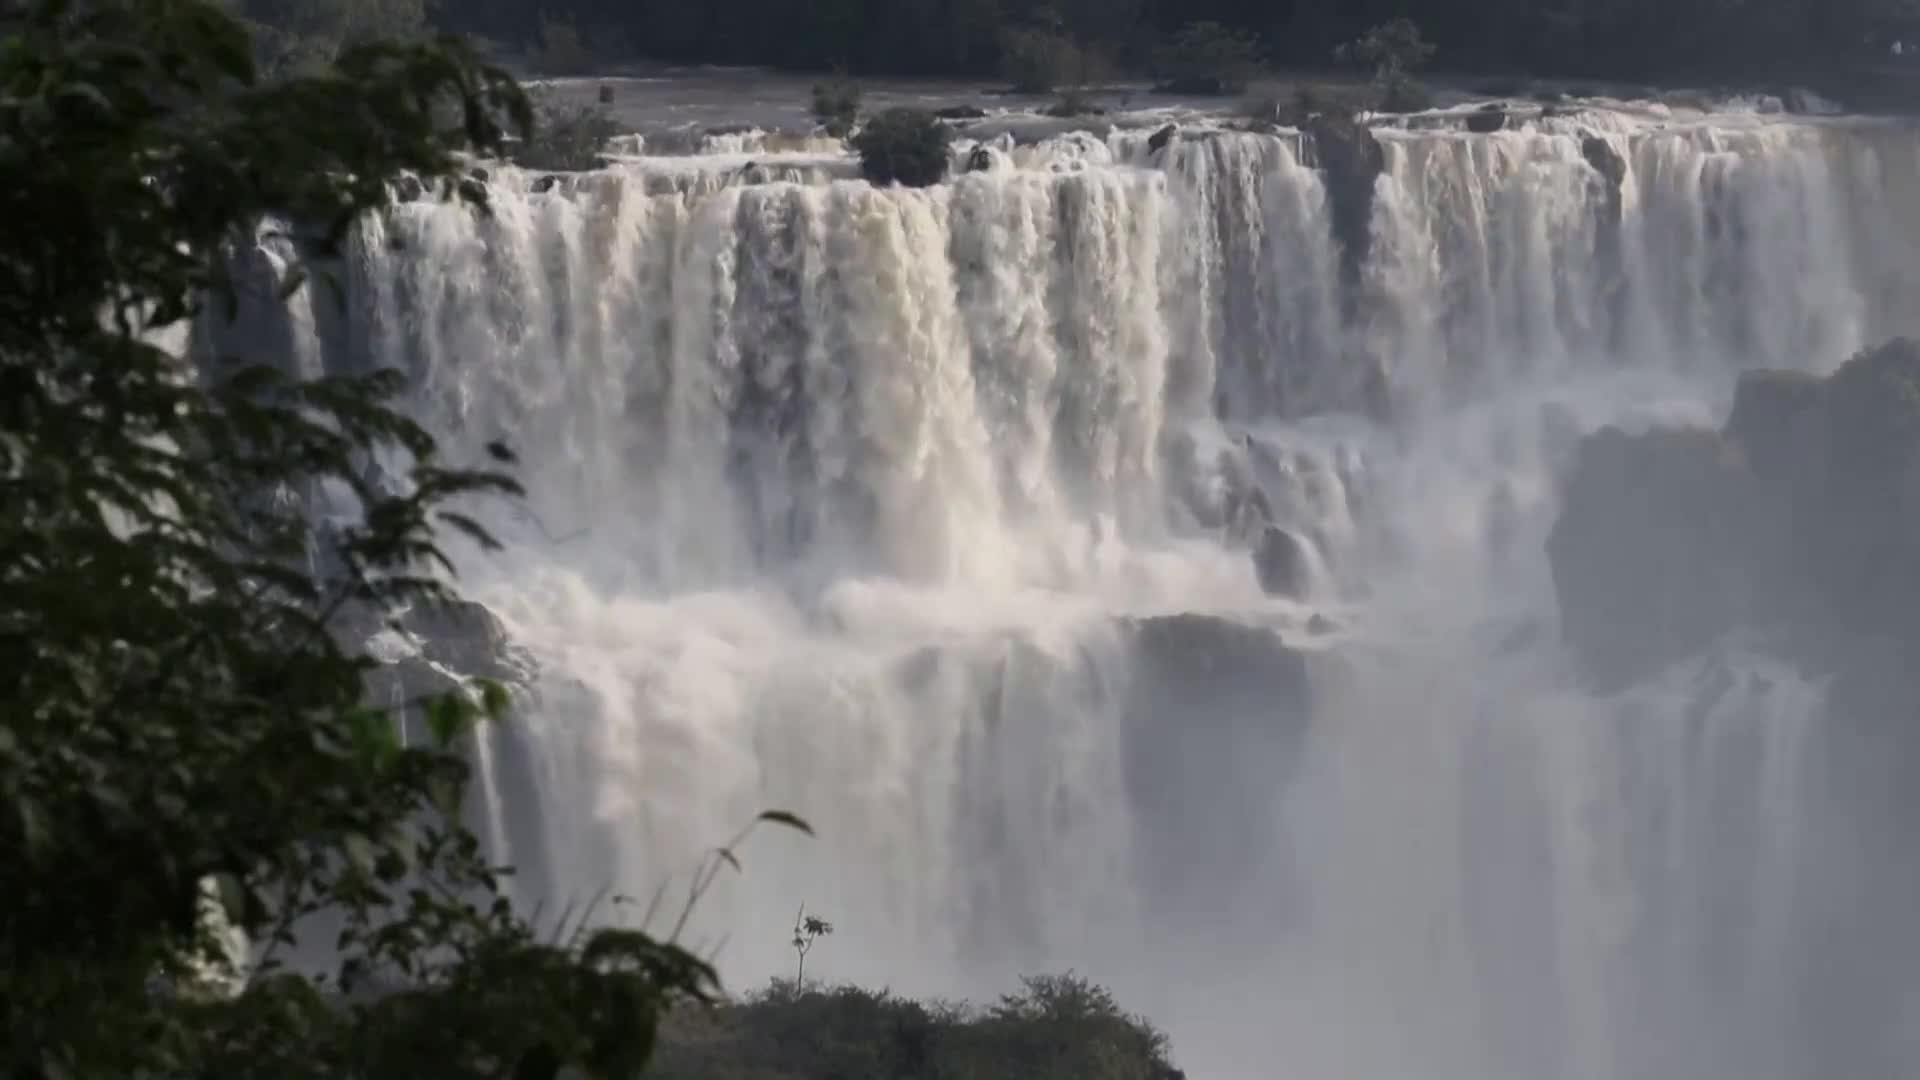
x=1394, y=50
x=903, y=146
x=836, y=106
x=1037, y=60
x=1054, y=1028
x=1207, y=58
x=566, y=137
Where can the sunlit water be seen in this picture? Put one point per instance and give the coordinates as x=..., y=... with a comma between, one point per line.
x=849, y=501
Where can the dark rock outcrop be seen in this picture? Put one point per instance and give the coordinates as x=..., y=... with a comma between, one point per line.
x=961, y=112
x=1802, y=515
x=1161, y=138
x=1487, y=119
x=1352, y=159
x=408, y=188
x=545, y=184
x=1216, y=712
x=980, y=159
x=1638, y=554
x=1605, y=160
x=1281, y=562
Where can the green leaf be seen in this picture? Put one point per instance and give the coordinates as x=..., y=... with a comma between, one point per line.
x=782, y=817
x=448, y=717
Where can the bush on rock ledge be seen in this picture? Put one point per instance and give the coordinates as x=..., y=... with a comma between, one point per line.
x=904, y=146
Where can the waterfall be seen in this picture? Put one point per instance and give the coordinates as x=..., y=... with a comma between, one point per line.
x=922, y=514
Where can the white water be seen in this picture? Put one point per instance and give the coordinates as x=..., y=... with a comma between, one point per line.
x=843, y=500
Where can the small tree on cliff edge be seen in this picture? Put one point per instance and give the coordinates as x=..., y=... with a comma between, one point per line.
x=1394, y=50
x=180, y=728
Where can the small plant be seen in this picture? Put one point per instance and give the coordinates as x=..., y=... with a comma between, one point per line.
x=807, y=932
x=903, y=146
x=836, y=105
x=1394, y=50
x=1207, y=58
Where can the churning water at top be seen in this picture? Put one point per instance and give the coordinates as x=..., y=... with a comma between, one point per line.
x=925, y=514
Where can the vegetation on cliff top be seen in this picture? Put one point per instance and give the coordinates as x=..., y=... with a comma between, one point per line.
x=1053, y=1028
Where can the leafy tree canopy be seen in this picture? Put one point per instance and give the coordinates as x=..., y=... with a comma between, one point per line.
x=182, y=731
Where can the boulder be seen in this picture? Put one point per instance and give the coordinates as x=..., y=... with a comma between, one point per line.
x=1487, y=119
x=408, y=188
x=961, y=112
x=980, y=160
x=1161, y=138
x=473, y=191
x=1280, y=560
x=545, y=184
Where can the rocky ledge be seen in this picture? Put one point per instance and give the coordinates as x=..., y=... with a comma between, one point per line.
x=1801, y=516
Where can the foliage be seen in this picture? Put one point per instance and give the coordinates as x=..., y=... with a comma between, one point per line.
x=185, y=752
x=836, y=105
x=1054, y=1028
x=1039, y=60
x=305, y=35
x=903, y=146
x=566, y=136
x=807, y=932
x=1206, y=57
x=560, y=49
x=1753, y=40
x=1393, y=51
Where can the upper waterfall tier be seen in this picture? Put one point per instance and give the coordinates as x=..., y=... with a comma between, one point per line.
x=941, y=383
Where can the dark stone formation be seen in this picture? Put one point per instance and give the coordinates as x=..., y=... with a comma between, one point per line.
x=1605, y=160
x=1216, y=714
x=980, y=159
x=1802, y=515
x=961, y=112
x=408, y=188
x=1638, y=551
x=1281, y=562
x=1487, y=119
x=545, y=184
x=481, y=175
x=473, y=190
x=1352, y=159
x=1161, y=138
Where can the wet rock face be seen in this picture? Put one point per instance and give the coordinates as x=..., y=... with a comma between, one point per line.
x=1803, y=514
x=1281, y=562
x=1487, y=119
x=1215, y=714
x=1352, y=159
x=1637, y=552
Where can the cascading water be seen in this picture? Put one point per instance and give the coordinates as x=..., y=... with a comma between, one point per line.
x=923, y=514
